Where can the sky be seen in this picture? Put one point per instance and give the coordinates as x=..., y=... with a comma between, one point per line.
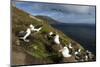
x=65, y=13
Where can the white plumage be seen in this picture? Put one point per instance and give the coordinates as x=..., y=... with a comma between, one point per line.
x=70, y=46
x=86, y=58
x=28, y=32
x=56, y=39
x=77, y=52
x=65, y=52
x=50, y=33
x=37, y=30
x=89, y=54
x=34, y=29
x=88, y=51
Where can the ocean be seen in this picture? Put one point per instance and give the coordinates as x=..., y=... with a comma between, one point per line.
x=85, y=34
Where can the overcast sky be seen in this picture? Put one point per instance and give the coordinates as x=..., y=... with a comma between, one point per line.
x=61, y=12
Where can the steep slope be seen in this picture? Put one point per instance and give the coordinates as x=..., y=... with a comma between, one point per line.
x=40, y=49
x=48, y=19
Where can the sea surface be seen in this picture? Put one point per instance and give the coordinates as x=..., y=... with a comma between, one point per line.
x=85, y=34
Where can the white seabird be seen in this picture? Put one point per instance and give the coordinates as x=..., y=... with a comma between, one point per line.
x=65, y=52
x=56, y=39
x=86, y=58
x=28, y=32
x=76, y=53
x=35, y=29
x=70, y=46
x=50, y=33
x=32, y=27
x=79, y=50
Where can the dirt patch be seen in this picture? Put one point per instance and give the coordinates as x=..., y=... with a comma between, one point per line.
x=19, y=57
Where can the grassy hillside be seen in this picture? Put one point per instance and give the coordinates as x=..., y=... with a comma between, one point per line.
x=39, y=46
x=48, y=19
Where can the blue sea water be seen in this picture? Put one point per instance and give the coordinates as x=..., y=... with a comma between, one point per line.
x=85, y=34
